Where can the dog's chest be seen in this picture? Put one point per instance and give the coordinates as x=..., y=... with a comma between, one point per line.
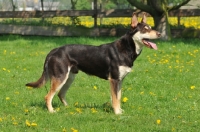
x=123, y=71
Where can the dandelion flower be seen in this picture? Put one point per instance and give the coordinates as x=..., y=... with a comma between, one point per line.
x=58, y=109
x=142, y=92
x=192, y=87
x=173, y=129
x=72, y=113
x=28, y=123
x=93, y=110
x=125, y=99
x=1, y=119
x=7, y=98
x=64, y=130
x=15, y=123
x=26, y=110
x=74, y=130
x=95, y=87
x=78, y=110
x=34, y=124
x=76, y=104
x=158, y=121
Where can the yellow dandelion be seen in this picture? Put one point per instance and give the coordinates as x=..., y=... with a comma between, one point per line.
x=78, y=110
x=76, y=104
x=142, y=92
x=71, y=113
x=28, y=87
x=95, y=87
x=173, y=129
x=28, y=123
x=1, y=119
x=151, y=93
x=15, y=123
x=7, y=98
x=158, y=121
x=64, y=130
x=4, y=69
x=192, y=87
x=26, y=110
x=34, y=124
x=74, y=130
x=129, y=89
x=125, y=99
x=13, y=119
x=93, y=110
x=4, y=52
x=58, y=109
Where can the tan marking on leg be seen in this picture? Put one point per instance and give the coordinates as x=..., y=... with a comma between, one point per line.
x=48, y=98
x=115, y=95
x=56, y=85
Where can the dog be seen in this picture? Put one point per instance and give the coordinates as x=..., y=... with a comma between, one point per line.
x=111, y=61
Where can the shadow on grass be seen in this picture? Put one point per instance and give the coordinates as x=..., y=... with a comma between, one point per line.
x=107, y=107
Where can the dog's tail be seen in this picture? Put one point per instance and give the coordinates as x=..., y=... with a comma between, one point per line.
x=40, y=82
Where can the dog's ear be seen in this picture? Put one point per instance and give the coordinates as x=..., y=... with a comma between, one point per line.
x=134, y=20
x=144, y=18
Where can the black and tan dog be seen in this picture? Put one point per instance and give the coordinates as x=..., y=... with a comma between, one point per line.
x=112, y=61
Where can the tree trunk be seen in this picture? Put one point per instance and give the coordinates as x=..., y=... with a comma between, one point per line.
x=162, y=25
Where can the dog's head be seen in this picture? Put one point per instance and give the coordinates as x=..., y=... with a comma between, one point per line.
x=142, y=33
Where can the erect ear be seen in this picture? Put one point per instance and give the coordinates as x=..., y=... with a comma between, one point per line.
x=134, y=20
x=144, y=18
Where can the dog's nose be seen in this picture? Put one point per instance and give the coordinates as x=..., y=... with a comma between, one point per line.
x=158, y=34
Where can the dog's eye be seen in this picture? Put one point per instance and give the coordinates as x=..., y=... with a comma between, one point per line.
x=145, y=29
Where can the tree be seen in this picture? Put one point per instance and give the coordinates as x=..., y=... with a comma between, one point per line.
x=75, y=20
x=159, y=9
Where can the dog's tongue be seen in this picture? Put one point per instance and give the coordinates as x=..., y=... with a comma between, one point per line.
x=153, y=45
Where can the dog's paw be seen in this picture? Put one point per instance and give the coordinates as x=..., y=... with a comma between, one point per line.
x=52, y=111
x=119, y=111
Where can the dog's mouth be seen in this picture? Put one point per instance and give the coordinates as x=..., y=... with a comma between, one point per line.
x=149, y=44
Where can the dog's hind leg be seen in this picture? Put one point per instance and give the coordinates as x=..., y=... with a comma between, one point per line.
x=115, y=88
x=65, y=87
x=56, y=85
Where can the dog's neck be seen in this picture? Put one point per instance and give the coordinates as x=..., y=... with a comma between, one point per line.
x=138, y=43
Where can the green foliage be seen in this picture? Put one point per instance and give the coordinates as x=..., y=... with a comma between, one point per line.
x=84, y=4
x=162, y=90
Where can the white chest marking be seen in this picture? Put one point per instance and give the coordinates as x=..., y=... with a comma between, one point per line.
x=123, y=71
x=137, y=38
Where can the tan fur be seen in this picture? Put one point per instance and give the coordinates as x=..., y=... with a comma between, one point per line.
x=56, y=85
x=115, y=89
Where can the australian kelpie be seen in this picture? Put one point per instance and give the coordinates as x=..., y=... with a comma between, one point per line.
x=111, y=61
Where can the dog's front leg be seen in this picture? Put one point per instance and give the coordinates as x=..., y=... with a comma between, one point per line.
x=115, y=89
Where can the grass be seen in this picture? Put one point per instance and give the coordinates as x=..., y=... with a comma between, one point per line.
x=161, y=94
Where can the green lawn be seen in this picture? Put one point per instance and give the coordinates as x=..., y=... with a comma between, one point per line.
x=163, y=90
